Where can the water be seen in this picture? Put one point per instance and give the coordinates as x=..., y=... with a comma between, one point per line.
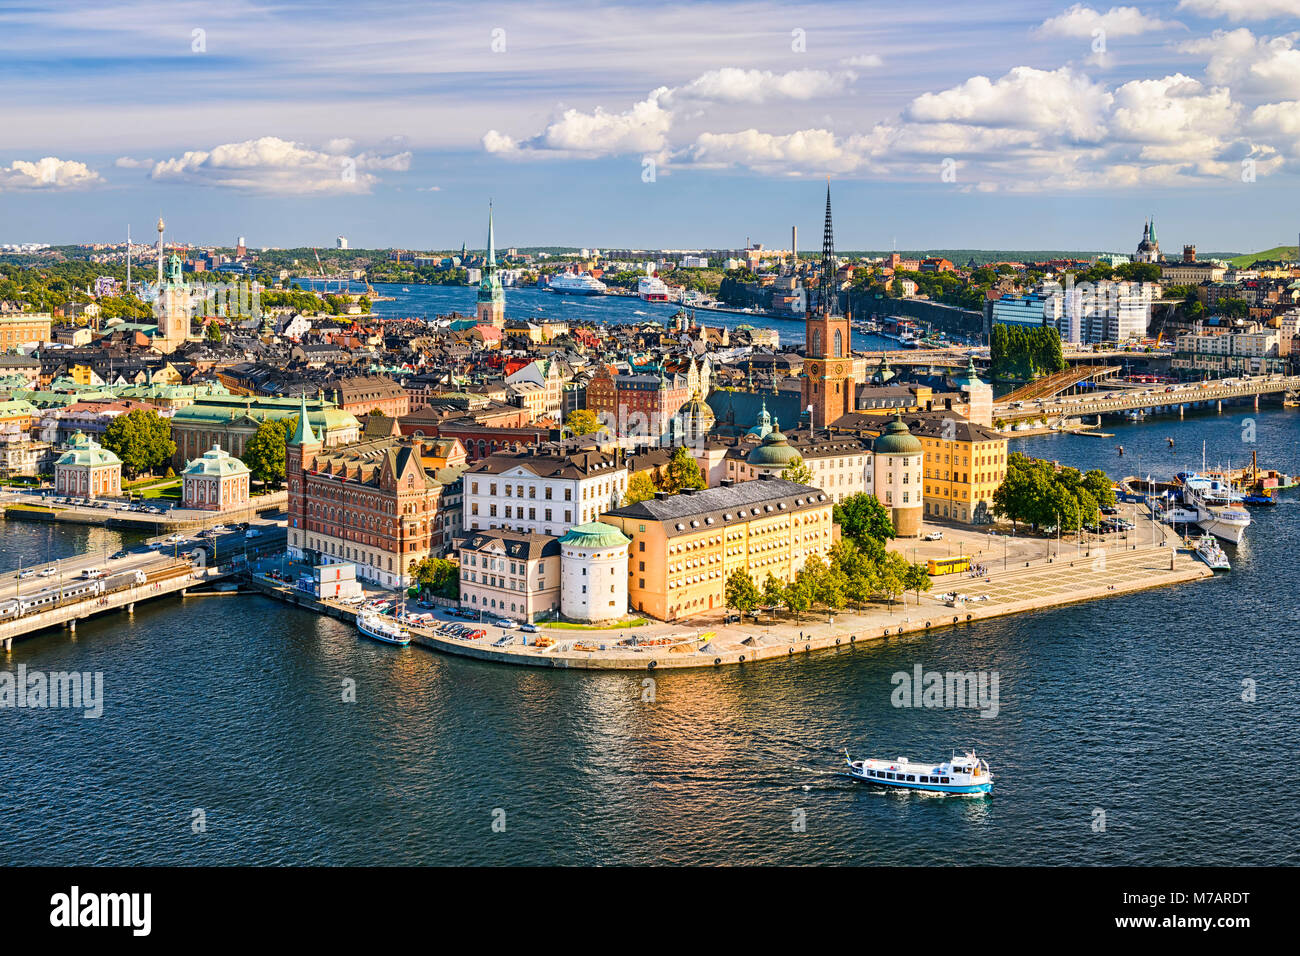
x=232, y=705
x=430, y=301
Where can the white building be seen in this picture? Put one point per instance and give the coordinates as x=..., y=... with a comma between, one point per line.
x=341, y=242
x=542, y=492
x=593, y=573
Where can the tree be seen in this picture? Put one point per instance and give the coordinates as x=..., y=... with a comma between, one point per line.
x=917, y=578
x=862, y=516
x=893, y=575
x=797, y=472
x=773, y=592
x=142, y=439
x=741, y=593
x=639, y=488
x=683, y=472
x=264, y=453
x=213, y=333
x=582, y=421
x=798, y=594
x=438, y=576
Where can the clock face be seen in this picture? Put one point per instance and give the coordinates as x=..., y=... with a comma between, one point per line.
x=839, y=368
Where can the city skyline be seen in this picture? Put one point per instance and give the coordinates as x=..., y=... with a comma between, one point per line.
x=1057, y=126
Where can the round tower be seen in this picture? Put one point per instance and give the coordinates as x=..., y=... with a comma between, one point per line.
x=593, y=573
x=899, y=476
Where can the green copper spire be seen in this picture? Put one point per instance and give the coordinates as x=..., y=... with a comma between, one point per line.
x=492, y=241
x=489, y=287
x=303, y=434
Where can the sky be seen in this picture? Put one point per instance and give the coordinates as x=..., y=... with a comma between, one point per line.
x=694, y=125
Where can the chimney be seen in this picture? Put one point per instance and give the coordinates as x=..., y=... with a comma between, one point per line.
x=661, y=496
x=726, y=482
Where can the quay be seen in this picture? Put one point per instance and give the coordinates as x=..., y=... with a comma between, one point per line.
x=113, y=513
x=1035, y=585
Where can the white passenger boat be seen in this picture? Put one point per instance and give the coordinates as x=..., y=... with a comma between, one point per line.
x=967, y=774
x=382, y=628
x=1208, y=550
x=1219, y=507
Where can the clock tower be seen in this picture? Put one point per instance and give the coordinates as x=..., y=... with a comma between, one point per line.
x=828, y=386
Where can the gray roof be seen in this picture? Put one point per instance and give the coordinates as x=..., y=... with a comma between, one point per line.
x=714, y=507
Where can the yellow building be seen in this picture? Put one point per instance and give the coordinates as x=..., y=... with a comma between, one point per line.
x=964, y=464
x=24, y=329
x=685, y=546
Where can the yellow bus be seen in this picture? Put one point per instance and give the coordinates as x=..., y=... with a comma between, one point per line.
x=948, y=565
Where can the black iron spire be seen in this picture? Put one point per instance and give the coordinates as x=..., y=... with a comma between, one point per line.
x=827, y=295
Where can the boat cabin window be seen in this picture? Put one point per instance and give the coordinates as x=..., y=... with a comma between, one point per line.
x=925, y=779
x=911, y=778
x=943, y=779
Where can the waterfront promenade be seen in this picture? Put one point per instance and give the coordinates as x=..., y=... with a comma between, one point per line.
x=1022, y=575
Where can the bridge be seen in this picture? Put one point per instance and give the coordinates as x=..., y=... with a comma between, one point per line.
x=1154, y=397
x=1049, y=386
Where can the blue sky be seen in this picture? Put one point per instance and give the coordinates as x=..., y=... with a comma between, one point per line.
x=1053, y=125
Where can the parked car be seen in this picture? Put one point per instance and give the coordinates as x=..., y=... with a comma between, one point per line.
x=528, y=628
x=731, y=619
x=506, y=623
x=934, y=536
x=49, y=572
x=252, y=533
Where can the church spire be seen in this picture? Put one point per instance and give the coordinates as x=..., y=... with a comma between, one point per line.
x=492, y=241
x=303, y=435
x=827, y=295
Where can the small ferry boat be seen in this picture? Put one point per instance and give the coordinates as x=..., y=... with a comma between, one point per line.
x=966, y=774
x=1208, y=550
x=383, y=629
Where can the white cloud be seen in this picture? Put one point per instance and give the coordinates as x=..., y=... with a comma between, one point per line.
x=1027, y=98
x=428, y=189
x=867, y=61
x=1267, y=67
x=129, y=162
x=48, y=173
x=1082, y=21
x=642, y=128
x=809, y=150
x=730, y=85
x=1238, y=10
x=274, y=165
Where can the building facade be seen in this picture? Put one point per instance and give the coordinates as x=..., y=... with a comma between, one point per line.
x=594, y=578
x=545, y=491
x=683, y=547
x=88, y=470
x=215, y=481
x=510, y=575
x=828, y=385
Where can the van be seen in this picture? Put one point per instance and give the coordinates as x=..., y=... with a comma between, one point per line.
x=91, y=573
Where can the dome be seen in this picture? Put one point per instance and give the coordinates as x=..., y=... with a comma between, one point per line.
x=83, y=450
x=698, y=413
x=764, y=426
x=897, y=440
x=595, y=536
x=774, y=452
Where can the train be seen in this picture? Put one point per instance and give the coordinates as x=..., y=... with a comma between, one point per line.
x=75, y=590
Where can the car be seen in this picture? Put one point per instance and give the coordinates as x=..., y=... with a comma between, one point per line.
x=49, y=572
x=118, y=555
x=506, y=623
x=731, y=619
x=252, y=533
x=27, y=574
x=933, y=536
x=528, y=628
x=504, y=641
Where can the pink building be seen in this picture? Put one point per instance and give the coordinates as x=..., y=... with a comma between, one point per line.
x=217, y=481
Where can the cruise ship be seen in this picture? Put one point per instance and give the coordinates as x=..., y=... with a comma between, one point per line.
x=570, y=283
x=652, y=289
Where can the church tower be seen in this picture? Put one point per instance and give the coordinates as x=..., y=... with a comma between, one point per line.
x=172, y=309
x=828, y=387
x=491, y=309
x=299, y=455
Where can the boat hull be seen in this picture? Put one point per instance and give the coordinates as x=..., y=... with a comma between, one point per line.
x=963, y=788
x=374, y=635
x=1228, y=531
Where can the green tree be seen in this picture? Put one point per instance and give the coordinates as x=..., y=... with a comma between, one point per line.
x=798, y=595
x=798, y=472
x=264, y=453
x=917, y=578
x=142, y=439
x=213, y=333
x=893, y=576
x=862, y=516
x=438, y=576
x=773, y=592
x=639, y=488
x=683, y=472
x=741, y=593
x=581, y=421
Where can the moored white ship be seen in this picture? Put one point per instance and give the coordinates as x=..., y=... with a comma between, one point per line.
x=1208, y=550
x=652, y=289
x=569, y=283
x=382, y=628
x=967, y=774
x=1219, y=507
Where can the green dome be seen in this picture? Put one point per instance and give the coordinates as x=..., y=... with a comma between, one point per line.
x=83, y=450
x=897, y=440
x=774, y=452
x=215, y=463
x=595, y=535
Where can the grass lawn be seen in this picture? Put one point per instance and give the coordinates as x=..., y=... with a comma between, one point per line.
x=567, y=626
x=48, y=511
